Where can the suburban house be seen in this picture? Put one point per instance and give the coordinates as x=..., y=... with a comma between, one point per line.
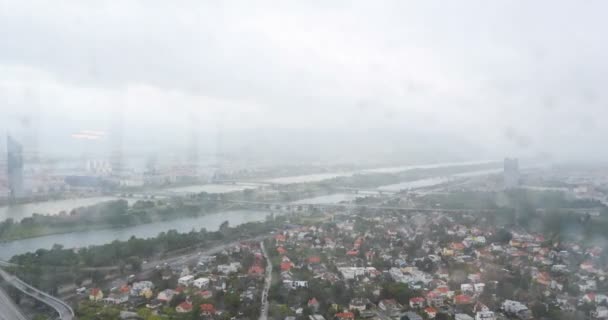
x=417, y=302
x=256, y=270
x=313, y=304
x=186, y=280
x=295, y=284
x=462, y=299
x=345, y=316
x=139, y=287
x=359, y=304
x=207, y=309
x=201, y=283
x=517, y=309
x=184, y=307
x=205, y=294
x=430, y=312
x=229, y=268
x=166, y=295
x=390, y=306
x=95, y=294
x=116, y=298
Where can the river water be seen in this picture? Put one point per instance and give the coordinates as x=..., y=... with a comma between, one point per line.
x=210, y=222
x=326, y=176
x=53, y=207
x=18, y=212
x=332, y=198
x=429, y=182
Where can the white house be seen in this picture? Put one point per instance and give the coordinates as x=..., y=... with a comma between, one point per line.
x=485, y=315
x=467, y=288
x=116, y=298
x=600, y=312
x=349, y=273
x=229, y=268
x=186, y=280
x=463, y=316
x=201, y=283
x=559, y=268
x=479, y=287
x=166, y=295
x=516, y=308
x=140, y=286
x=295, y=284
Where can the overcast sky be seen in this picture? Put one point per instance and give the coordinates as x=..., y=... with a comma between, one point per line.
x=480, y=78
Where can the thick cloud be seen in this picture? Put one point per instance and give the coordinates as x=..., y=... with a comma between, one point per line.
x=483, y=78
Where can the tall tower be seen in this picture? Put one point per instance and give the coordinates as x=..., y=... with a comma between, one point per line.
x=30, y=124
x=14, y=167
x=511, y=173
x=193, y=156
x=116, y=136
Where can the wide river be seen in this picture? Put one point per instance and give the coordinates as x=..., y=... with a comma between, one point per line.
x=325, y=176
x=210, y=222
x=52, y=207
x=429, y=182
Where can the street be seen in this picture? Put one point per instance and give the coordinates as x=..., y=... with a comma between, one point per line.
x=267, y=282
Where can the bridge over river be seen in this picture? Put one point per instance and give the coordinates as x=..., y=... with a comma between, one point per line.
x=297, y=207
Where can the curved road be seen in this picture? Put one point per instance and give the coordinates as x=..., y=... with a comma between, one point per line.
x=63, y=309
x=10, y=312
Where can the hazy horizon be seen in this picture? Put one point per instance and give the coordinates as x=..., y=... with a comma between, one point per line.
x=405, y=82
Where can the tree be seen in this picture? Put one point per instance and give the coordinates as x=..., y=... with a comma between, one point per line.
x=232, y=302
x=442, y=316
x=539, y=310
x=398, y=291
x=224, y=227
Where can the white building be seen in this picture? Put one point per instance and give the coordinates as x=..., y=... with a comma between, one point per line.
x=201, y=283
x=516, y=308
x=295, y=284
x=485, y=315
x=349, y=273
x=186, y=281
x=600, y=312
x=467, y=288
x=229, y=268
x=411, y=277
x=140, y=286
x=116, y=298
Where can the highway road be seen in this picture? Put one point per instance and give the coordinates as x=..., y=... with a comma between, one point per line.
x=8, y=309
x=195, y=256
x=267, y=281
x=63, y=309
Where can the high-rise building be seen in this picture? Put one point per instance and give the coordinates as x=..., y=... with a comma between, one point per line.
x=116, y=154
x=14, y=167
x=193, y=156
x=511, y=173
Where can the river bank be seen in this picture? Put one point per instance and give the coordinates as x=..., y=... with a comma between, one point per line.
x=99, y=237
x=146, y=211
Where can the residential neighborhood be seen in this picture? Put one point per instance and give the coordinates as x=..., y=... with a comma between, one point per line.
x=379, y=266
